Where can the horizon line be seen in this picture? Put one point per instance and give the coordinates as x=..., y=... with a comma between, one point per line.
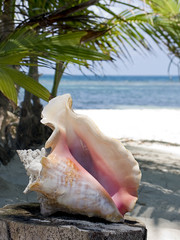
x=90, y=75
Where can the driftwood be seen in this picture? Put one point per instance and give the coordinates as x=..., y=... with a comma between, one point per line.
x=24, y=222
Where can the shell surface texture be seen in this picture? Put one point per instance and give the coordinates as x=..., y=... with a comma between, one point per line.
x=85, y=172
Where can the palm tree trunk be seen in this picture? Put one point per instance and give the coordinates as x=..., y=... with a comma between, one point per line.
x=6, y=151
x=30, y=131
x=7, y=26
x=60, y=67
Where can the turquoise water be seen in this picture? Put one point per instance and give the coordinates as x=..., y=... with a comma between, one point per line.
x=116, y=92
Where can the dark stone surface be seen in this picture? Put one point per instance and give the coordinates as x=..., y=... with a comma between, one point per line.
x=24, y=222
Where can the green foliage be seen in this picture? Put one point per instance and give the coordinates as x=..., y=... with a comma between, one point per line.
x=70, y=31
x=7, y=85
x=10, y=76
x=25, y=42
x=129, y=28
x=166, y=23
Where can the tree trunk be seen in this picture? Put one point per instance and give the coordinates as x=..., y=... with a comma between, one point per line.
x=30, y=131
x=60, y=67
x=8, y=17
x=7, y=26
x=6, y=151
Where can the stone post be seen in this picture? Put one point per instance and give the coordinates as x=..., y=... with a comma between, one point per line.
x=24, y=222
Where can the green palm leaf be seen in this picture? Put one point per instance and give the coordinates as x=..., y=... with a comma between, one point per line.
x=66, y=47
x=15, y=76
x=7, y=86
x=21, y=44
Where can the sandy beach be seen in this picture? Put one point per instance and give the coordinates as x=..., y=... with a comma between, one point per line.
x=158, y=124
x=153, y=136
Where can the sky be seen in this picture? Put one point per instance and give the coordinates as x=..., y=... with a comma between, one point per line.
x=152, y=63
x=149, y=64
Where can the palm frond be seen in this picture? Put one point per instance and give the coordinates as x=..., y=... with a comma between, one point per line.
x=166, y=23
x=24, y=43
x=26, y=82
x=7, y=86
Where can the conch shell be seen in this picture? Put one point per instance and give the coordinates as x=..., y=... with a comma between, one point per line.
x=86, y=172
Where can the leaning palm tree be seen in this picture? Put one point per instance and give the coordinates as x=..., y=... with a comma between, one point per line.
x=28, y=42
x=25, y=43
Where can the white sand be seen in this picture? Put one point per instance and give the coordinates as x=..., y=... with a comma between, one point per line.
x=153, y=136
x=155, y=125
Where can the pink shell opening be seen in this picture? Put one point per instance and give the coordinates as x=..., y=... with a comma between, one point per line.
x=102, y=157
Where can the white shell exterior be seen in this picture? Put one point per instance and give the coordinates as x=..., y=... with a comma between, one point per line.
x=32, y=163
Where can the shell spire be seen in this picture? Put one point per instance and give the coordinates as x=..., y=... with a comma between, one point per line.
x=86, y=172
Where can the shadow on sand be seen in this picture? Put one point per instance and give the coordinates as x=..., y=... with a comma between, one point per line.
x=159, y=192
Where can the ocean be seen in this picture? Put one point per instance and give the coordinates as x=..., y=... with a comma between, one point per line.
x=118, y=92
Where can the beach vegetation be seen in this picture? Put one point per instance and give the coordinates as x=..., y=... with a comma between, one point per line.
x=165, y=26
x=26, y=42
x=55, y=33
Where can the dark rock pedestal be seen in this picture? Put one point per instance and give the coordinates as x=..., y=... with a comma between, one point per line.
x=24, y=222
